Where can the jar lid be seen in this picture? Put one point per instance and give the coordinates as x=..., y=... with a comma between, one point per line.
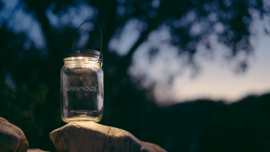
x=84, y=53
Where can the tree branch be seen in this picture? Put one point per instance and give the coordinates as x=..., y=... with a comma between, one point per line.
x=126, y=61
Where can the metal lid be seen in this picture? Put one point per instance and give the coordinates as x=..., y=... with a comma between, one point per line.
x=84, y=53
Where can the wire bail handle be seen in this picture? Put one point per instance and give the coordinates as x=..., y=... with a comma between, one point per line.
x=99, y=31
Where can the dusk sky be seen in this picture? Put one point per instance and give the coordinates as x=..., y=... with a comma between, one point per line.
x=216, y=79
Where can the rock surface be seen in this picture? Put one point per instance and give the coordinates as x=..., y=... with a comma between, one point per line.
x=36, y=150
x=155, y=147
x=12, y=138
x=93, y=137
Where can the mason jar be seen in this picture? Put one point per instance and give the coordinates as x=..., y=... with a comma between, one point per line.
x=82, y=86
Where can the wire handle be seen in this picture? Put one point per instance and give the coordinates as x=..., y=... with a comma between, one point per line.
x=99, y=31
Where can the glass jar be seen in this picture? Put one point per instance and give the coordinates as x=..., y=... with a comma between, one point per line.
x=82, y=86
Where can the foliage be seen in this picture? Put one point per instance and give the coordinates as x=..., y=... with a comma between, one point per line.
x=30, y=76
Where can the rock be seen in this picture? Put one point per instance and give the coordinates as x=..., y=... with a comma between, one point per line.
x=93, y=137
x=12, y=137
x=154, y=146
x=36, y=150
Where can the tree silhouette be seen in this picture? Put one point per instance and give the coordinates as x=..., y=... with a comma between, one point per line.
x=35, y=96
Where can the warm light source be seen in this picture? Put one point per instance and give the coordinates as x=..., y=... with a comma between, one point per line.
x=82, y=85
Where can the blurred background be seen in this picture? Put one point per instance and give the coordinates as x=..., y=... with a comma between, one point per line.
x=188, y=75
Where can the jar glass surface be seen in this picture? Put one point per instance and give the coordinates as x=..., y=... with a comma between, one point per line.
x=81, y=89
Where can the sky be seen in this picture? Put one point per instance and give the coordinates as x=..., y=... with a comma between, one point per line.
x=218, y=82
x=216, y=79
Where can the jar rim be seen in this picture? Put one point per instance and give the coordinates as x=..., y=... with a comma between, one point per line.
x=80, y=58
